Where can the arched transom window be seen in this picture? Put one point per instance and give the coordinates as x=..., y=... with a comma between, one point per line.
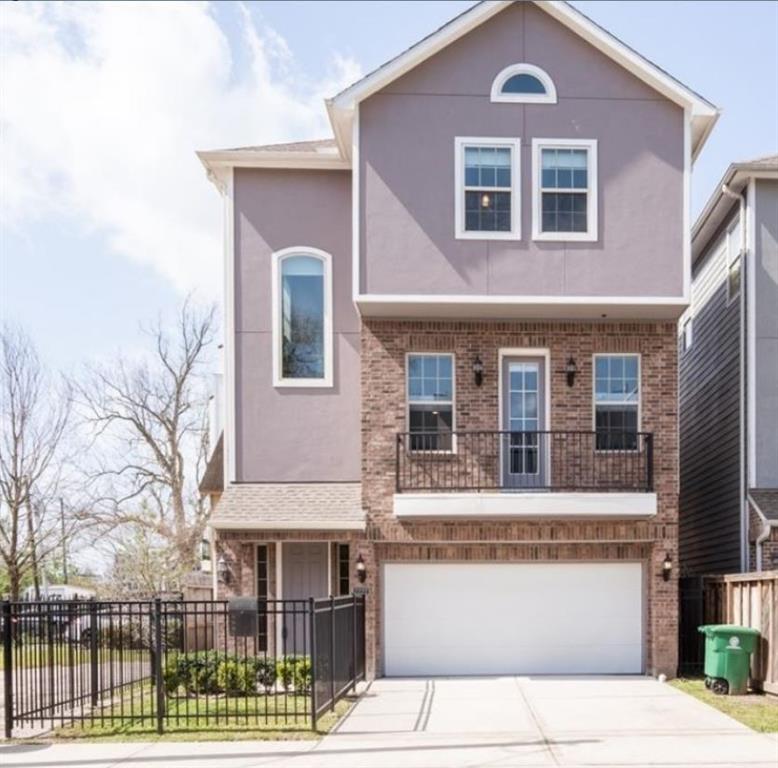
x=524, y=83
x=302, y=317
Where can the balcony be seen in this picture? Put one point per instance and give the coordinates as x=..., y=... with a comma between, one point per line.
x=498, y=474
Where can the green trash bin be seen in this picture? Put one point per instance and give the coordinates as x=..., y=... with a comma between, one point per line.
x=728, y=650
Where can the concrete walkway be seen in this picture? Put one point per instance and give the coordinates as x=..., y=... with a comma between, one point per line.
x=457, y=722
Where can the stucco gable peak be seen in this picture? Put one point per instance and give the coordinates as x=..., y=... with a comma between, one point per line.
x=702, y=113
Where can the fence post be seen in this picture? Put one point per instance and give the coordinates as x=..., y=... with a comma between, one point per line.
x=7, y=671
x=332, y=653
x=312, y=620
x=93, y=671
x=363, y=600
x=158, y=682
x=353, y=643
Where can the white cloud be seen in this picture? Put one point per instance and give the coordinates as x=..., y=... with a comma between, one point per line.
x=104, y=104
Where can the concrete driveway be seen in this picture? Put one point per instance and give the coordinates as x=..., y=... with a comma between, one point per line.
x=574, y=721
x=457, y=722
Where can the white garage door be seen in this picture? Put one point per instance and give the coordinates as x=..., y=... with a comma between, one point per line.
x=484, y=618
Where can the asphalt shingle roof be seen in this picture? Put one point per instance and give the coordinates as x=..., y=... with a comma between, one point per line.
x=273, y=506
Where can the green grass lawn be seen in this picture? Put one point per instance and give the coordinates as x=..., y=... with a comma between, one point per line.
x=757, y=711
x=32, y=655
x=260, y=717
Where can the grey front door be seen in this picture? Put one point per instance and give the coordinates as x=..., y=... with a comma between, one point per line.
x=523, y=443
x=304, y=574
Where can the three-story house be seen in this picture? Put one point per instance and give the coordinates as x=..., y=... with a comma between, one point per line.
x=450, y=351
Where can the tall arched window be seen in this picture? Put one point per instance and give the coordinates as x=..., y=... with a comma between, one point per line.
x=302, y=318
x=524, y=84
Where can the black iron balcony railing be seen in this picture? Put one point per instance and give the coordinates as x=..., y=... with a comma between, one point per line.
x=468, y=460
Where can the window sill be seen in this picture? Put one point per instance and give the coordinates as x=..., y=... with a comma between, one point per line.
x=488, y=236
x=303, y=383
x=565, y=237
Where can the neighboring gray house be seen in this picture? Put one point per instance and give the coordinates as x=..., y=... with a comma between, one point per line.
x=728, y=365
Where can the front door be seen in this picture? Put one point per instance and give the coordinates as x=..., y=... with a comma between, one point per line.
x=304, y=573
x=523, y=443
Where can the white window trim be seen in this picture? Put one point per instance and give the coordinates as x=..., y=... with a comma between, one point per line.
x=549, y=97
x=639, y=404
x=687, y=333
x=591, y=190
x=276, y=260
x=732, y=253
x=408, y=402
x=514, y=144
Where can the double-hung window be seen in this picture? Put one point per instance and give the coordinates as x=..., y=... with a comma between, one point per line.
x=487, y=189
x=430, y=388
x=616, y=402
x=564, y=189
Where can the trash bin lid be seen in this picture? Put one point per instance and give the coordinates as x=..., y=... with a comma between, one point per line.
x=726, y=630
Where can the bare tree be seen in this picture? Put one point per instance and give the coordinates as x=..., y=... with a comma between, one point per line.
x=35, y=416
x=150, y=427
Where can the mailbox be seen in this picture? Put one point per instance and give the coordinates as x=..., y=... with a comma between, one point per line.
x=243, y=616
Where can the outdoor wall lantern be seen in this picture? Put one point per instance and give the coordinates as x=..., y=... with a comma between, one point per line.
x=361, y=569
x=571, y=369
x=478, y=371
x=667, y=567
x=223, y=571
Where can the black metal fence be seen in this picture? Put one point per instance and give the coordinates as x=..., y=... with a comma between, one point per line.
x=162, y=665
x=480, y=460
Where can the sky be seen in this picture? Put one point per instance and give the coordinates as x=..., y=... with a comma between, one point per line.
x=106, y=217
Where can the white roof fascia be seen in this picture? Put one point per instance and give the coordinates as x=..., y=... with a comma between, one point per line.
x=703, y=114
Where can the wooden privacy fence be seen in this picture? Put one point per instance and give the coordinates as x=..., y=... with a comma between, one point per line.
x=746, y=599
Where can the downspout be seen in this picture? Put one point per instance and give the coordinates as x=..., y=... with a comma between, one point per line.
x=761, y=539
x=744, y=527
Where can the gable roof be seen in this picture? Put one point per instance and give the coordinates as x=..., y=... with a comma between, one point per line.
x=335, y=154
x=719, y=205
x=703, y=114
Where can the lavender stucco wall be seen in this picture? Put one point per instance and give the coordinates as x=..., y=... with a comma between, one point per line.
x=293, y=434
x=407, y=134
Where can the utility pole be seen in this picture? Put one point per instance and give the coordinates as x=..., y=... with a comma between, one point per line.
x=64, y=542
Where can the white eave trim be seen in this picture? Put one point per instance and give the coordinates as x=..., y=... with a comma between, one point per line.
x=496, y=506
x=429, y=46
x=220, y=159
x=562, y=12
x=287, y=525
x=718, y=207
x=528, y=307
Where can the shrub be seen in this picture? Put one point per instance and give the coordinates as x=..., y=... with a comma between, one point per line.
x=302, y=675
x=195, y=672
x=266, y=673
x=214, y=672
x=294, y=671
x=237, y=677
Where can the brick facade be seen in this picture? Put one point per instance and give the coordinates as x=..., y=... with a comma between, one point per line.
x=383, y=349
x=384, y=346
